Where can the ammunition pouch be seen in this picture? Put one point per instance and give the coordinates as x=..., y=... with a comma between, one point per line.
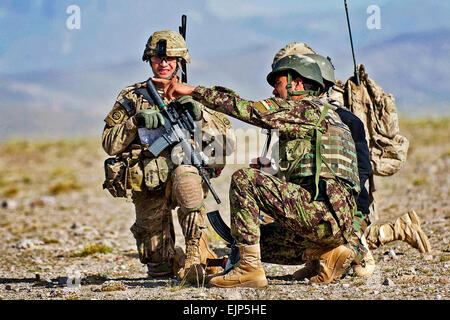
x=156, y=172
x=115, y=169
x=124, y=174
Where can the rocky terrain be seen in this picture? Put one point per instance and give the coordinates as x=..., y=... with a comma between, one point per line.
x=64, y=238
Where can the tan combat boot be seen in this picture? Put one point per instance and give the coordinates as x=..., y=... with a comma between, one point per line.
x=249, y=272
x=332, y=262
x=406, y=228
x=310, y=269
x=367, y=267
x=207, y=253
x=193, y=271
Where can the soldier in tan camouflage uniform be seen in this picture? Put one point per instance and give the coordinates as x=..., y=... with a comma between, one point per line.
x=158, y=185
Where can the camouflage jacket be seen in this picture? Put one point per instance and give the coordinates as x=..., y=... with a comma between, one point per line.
x=293, y=119
x=306, y=128
x=120, y=134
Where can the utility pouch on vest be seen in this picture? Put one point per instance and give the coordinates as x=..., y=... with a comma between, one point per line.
x=156, y=172
x=115, y=170
x=292, y=152
x=135, y=175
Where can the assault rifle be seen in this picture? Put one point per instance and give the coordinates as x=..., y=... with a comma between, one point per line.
x=179, y=127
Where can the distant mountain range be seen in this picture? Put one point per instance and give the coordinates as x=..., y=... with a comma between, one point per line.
x=414, y=67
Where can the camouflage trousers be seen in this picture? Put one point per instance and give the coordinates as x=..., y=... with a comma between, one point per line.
x=154, y=228
x=300, y=222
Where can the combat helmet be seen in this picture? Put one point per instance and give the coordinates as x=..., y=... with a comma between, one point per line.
x=326, y=68
x=166, y=43
x=293, y=48
x=294, y=66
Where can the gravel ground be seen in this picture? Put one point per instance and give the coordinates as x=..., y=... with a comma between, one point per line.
x=64, y=238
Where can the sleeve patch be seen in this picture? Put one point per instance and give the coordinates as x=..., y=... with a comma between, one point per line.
x=115, y=116
x=265, y=105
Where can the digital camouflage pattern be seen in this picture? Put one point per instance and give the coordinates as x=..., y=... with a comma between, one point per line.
x=293, y=48
x=175, y=45
x=152, y=187
x=377, y=110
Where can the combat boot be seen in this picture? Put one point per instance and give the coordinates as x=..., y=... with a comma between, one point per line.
x=332, y=262
x=366, y=268
x=207, y=253
x=193, y=271
x=310, y=269
x=406, y=228
x=248, y=273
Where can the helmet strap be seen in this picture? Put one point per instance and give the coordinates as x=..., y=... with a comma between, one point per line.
x=298, y=93
x=172, y=75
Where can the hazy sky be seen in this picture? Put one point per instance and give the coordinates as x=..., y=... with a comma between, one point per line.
x=35, y=35
x=47, y=65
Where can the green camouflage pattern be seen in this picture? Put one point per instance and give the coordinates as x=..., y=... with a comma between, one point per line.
x=319, y=224
x=296, y=121
x=337, y=149
x=280, y=245
x=293, y=119
x=327, y=223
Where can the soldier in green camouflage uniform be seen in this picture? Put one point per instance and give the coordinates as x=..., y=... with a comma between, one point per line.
x=315, y=206
x=157, y=185
x=278, y=245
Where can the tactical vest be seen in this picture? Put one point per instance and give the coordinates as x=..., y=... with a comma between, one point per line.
x=333, y=152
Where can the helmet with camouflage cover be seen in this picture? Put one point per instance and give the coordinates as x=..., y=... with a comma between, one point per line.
x=293, y=48
x=326, y=68
x=166, y=43
x=294, y=66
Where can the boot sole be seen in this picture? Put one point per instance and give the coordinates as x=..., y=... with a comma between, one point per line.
x=344, y=262
x=248, y=284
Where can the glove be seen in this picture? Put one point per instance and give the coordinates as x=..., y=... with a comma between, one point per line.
x=193, y=107
x=149, y=118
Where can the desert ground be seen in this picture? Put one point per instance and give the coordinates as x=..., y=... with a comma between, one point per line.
x=62, y=237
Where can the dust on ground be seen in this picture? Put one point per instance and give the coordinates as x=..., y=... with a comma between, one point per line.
x=63, y=237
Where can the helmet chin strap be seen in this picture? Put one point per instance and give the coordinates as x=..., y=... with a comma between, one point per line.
x=298, y=93
x=169, y=77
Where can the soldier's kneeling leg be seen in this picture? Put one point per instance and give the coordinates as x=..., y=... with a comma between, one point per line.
x=155, y=236
x=189, y=194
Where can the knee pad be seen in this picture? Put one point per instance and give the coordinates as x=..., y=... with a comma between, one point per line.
x=187, y=188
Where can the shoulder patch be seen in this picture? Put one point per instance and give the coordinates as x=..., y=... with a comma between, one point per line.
x=116, y=115
x=212, y=115
x=265, y=105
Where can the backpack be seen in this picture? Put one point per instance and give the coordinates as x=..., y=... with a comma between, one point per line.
x=388, y=148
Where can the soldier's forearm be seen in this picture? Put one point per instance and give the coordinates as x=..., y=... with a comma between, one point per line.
x=226, y=101
x=117, y=138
